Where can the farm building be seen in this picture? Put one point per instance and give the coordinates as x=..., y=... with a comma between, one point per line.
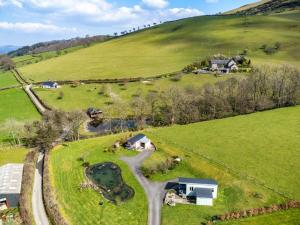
x=10, y=184
x=223, y=66
x=93, y=113
x=202, y=190
x=139, y=142
x=49, y=85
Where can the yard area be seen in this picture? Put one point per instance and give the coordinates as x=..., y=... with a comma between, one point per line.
x=82, y=207
x=87, y=95
x=168, y=48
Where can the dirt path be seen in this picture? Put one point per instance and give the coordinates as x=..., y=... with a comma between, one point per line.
x=155, y=191
x=39, y=213
x=35, y=100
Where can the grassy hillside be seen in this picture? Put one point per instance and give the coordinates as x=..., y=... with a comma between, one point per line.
x=12, y=155
x=248, y=6
x=171, y=46
x=82, y=207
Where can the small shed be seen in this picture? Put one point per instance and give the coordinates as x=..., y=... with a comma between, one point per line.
x=49, y=85
x=93, y=113
x=10, y=184
x=139, y=142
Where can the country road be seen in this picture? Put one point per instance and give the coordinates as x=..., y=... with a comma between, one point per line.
x=155, y=191
x=38, y=208
x=35, y=100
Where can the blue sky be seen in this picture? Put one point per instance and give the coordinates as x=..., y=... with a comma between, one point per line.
x=24, y=22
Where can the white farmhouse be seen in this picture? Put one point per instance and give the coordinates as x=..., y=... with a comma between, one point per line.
x=139, y=142
x=202, y=190
x=49, y=85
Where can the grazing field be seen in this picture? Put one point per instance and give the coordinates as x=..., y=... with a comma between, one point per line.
x=244, y=154
x=15, y=105
x=170, y=46
x=84, y=96
x=12, y=155
x=7, y=79
x=82, y=207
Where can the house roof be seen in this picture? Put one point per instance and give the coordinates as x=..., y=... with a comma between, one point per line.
x=11, y=178
x=203, y=192
x=139, y=137
x=49, y=83
x=220, y=61
x=93, y=111
x=197, y=181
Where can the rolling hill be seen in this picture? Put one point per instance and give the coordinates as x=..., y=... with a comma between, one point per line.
x=246, y=7
x=171, y=46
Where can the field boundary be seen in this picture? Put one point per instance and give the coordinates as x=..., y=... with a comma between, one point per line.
x=10, y=87
x=112, y=81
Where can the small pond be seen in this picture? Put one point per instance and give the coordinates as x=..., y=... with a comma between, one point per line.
x=107, y=176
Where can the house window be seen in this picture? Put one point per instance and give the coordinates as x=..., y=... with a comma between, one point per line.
x=191, y=188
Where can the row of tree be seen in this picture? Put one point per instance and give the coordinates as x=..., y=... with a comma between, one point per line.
x=136, y=29
x=265, y=88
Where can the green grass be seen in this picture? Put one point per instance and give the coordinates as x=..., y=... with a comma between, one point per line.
x=82, y=207
x=171, y=46
x=7, y=79
x=261, y=145
x=17, y=106
x=290, y=217
x=87, y=95
x=12, y=155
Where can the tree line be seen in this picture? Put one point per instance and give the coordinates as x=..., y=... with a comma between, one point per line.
x=265, y=88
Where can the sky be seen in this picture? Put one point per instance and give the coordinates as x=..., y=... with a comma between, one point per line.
x=25, y=22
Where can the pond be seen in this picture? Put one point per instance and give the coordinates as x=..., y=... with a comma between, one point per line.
x=107, y=176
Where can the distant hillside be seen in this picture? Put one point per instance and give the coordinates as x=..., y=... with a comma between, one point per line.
x=56, y=45
x=7, y=48
x=267, y=6
x=171, y=46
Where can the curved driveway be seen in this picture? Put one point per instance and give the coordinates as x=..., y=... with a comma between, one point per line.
x=155, y=191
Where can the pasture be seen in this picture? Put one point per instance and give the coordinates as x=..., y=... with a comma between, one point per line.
x=87, y=95
x=82, y=207
x=7, y=79
x=171, y=46
x=12, y=155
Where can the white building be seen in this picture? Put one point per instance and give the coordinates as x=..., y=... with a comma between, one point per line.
x=49, y=85
x=203, y=190
x=10, y=184
x=139, y=142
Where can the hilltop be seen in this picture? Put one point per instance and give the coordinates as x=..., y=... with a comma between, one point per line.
x=266, y=6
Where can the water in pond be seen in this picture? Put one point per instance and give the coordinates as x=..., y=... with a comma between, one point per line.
x=107, y=176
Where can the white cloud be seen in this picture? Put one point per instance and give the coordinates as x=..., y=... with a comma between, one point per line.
x=34, y=27
x=17, y=3
x=157, y=4
x=212, y=1
x=179, y=13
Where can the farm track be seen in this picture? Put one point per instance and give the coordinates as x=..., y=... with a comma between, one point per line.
x=155, y=191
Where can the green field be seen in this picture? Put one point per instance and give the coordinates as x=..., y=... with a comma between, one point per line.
x=171, y=46
x=82, y=207
x=15, y=105
x=12, y=155
x=87, y=95
x=7, y=79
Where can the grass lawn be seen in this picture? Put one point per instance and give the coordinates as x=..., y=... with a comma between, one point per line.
x=7, y=79
x=12, y=155
x=82, y=207
x=87, y=95
x=171, y=46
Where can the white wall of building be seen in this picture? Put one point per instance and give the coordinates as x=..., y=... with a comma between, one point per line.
x=204, y=201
